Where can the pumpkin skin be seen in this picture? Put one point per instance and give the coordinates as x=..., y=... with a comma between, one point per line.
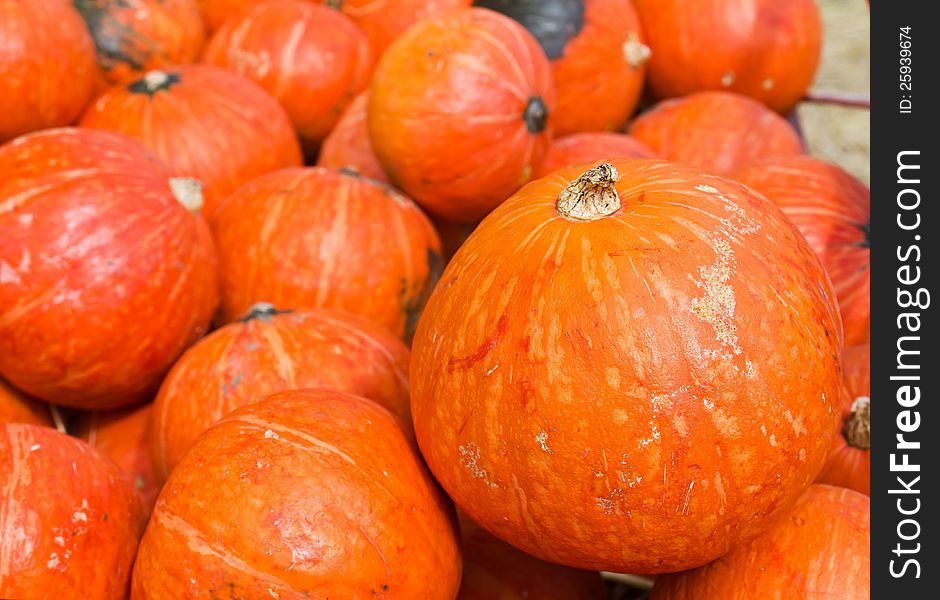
x=348, y=145
x=106, y=277
x=597, y=53
x=269, y=351
x=349, y=510
x=281, y=45
x=78, y=542
x=832, y=209
x=48, y=63
x=124, y=436
x=17, y=408
x=580, y=148
x=217, y=12
x=765, y=49
x=385, y=20
x=561, y=367
x=317, y=238
x=203, y=122
x=459, y=111
x=849, y=463
x=717, y=131
x=135, y=36
x=819, y=549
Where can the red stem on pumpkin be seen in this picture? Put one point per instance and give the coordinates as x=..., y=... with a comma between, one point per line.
x=838, y=98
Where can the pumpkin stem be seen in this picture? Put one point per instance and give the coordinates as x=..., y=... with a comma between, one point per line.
x=535, y=115
x=263, y=311
x=636, y=52
x=337, y=4
x=591, y=196
x=857, y=429
x=188, y=192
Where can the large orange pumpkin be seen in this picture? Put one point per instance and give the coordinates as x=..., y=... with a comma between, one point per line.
x=631, y=372
x=17, y=408
x=717, y=131
x=70, y=521
x=833, y=211
x=849, y=463
x=306, y=494
x=597, y=53
x=47, y=65
x=217, y=12
x=765, y=49
x=819, y=549
x=348, y=145
x=588, y=147
x=270, y=351
x=105, y=277
x=385, y=20
x=204, y=122
x=459, y=111
x=313, y=59
x=134, y=36
x=318, y=238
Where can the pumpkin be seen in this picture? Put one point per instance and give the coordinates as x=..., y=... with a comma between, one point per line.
x=597, y=53
x=459, y=111
x=819, y=549
x=588, y=147
x=833, y=211
x=452, y=234
x=270, y=351
x=348, y=145
x=766, y=49
x=385, y=20
x=494, y=570
x=319, y=238
x=283, y=45
x=717, y=131
x=124, y=436
x=135, y=36
x=306, y=494
x=47, y=60
x=70, y=520
x=204, y=122
x=17, y=408
x=633, y=369
x=849, y=463
x=217, y=12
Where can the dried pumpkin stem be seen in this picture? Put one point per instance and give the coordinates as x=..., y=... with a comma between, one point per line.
x=636, y=52
x=263, y=311
x=188, y=192
x=591, y=196
x=857, y=430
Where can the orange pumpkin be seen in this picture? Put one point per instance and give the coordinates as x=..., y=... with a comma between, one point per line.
x=348, y=145
x=849, y=463
x=47, y=61
x=581, y=148
x=105, y=277
x=819, y=549
x=135, y=36
x=17, y=408
x=124, y=436
x=385, y=20
x=765, y=49
x=204, y=122
x=318, y=238
x=716, y=131
x=306, y=494
x=70, y=521
x=597, y=53
x=462, y=142
x=270, y=351
x=833, y=211
x=282, y=45
x=630, y=372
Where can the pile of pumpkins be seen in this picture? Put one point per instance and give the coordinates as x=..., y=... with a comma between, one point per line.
x=557, y=292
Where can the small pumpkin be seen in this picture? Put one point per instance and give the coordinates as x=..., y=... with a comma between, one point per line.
x=580, y=148
x=203, y=122
x=819, y=549
x=47, y=61
x=269, y=351
x=463, y=142
x=584, y=376
x=105, y=276
x=282, y=45
x=766, y=49
x=717, y=131
x=71, y=521
x=385, y=20
x=17, y=408
x=319, y=238
x=307, y=493
x=348, y=145
x=833, y=211
x=135, y=36
x=597, y=53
